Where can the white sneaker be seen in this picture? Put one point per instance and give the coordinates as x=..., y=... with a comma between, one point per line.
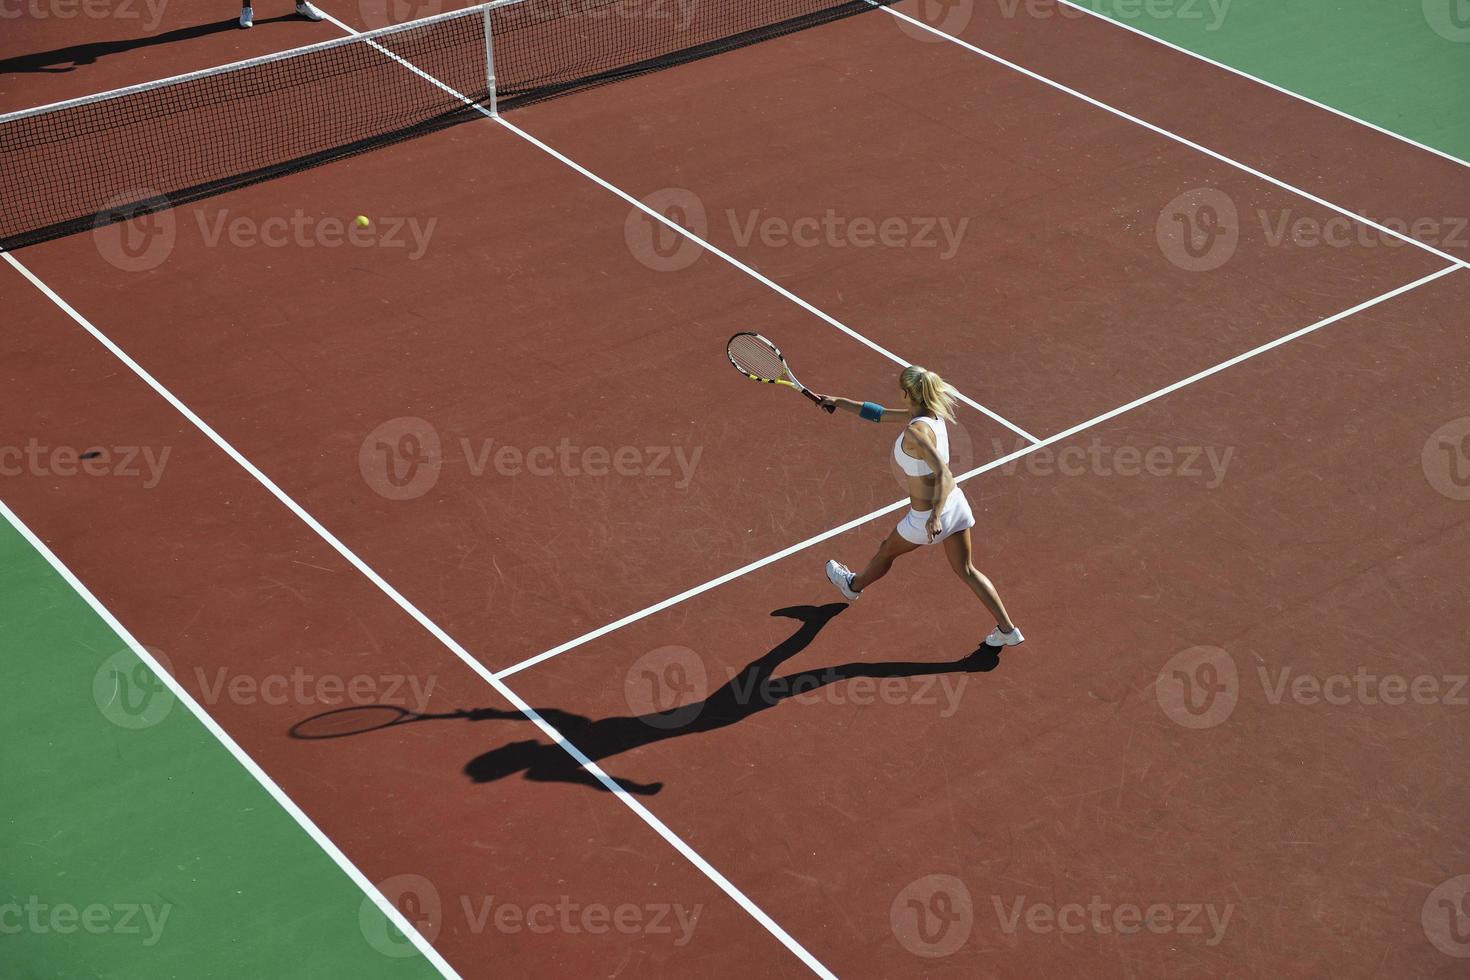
x=307, y=10
x=999, y=639
x=247, y=17
x=839, y=575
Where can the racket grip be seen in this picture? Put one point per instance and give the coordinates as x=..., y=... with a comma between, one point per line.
x=821, y=403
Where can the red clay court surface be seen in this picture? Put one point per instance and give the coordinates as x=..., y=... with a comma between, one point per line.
x=913, y=808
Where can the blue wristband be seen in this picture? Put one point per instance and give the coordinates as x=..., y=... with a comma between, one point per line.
x=871, y=412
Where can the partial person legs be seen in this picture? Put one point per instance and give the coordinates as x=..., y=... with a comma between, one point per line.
x=957, y=550
x=303, y=8
x=851, y=585
x=894, y=546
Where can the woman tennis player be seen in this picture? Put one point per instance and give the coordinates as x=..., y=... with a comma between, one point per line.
x=938, y=509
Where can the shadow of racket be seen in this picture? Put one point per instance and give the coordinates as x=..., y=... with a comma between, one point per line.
x=362, y=718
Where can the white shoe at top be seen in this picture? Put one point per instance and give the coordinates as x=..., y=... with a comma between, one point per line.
x=1000, y=639
x=307, y=10
x=247, y=17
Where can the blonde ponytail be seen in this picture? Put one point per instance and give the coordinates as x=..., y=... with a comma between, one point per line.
x=929, y=390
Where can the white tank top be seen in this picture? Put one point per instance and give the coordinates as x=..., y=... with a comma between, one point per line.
x=919, y=467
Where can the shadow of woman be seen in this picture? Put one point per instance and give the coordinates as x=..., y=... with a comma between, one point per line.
x=754, y=689
x=70, y=58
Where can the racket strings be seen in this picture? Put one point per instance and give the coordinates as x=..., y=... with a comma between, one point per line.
x=756, y=356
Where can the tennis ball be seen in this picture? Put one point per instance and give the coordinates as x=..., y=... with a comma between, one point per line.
x=362, y=221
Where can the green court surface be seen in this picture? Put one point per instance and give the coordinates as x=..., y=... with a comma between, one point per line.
x=134, y=844
x=1403, y=65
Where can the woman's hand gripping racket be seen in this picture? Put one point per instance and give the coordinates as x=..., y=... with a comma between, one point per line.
x=760, y=360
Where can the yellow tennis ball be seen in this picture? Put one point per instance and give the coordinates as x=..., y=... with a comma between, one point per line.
x=362, y=221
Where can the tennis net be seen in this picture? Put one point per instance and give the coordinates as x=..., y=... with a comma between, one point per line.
x=79, y=164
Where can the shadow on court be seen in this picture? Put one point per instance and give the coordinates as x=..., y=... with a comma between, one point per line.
x=77, y=55
x=750, y=691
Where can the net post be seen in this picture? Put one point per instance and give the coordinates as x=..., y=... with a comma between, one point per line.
x=490, y=60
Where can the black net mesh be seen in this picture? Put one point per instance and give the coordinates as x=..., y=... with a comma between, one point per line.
x=112, y=158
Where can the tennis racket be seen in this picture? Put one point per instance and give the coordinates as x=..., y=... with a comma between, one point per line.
x=362, y=718
x=760, y=360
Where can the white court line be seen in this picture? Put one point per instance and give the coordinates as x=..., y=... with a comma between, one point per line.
x=680, y=229
x=286, y=803
x=984, y=468
x=428, y=624
x=674, y=226
x=1182, y=140
x=1269, y=84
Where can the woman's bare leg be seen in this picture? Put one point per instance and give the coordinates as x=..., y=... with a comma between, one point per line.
x=957, y=550
x=892, y=547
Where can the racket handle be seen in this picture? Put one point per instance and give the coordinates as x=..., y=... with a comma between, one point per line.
x=829, y=409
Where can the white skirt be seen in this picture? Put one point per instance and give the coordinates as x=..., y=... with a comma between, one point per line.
x=955, y=518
